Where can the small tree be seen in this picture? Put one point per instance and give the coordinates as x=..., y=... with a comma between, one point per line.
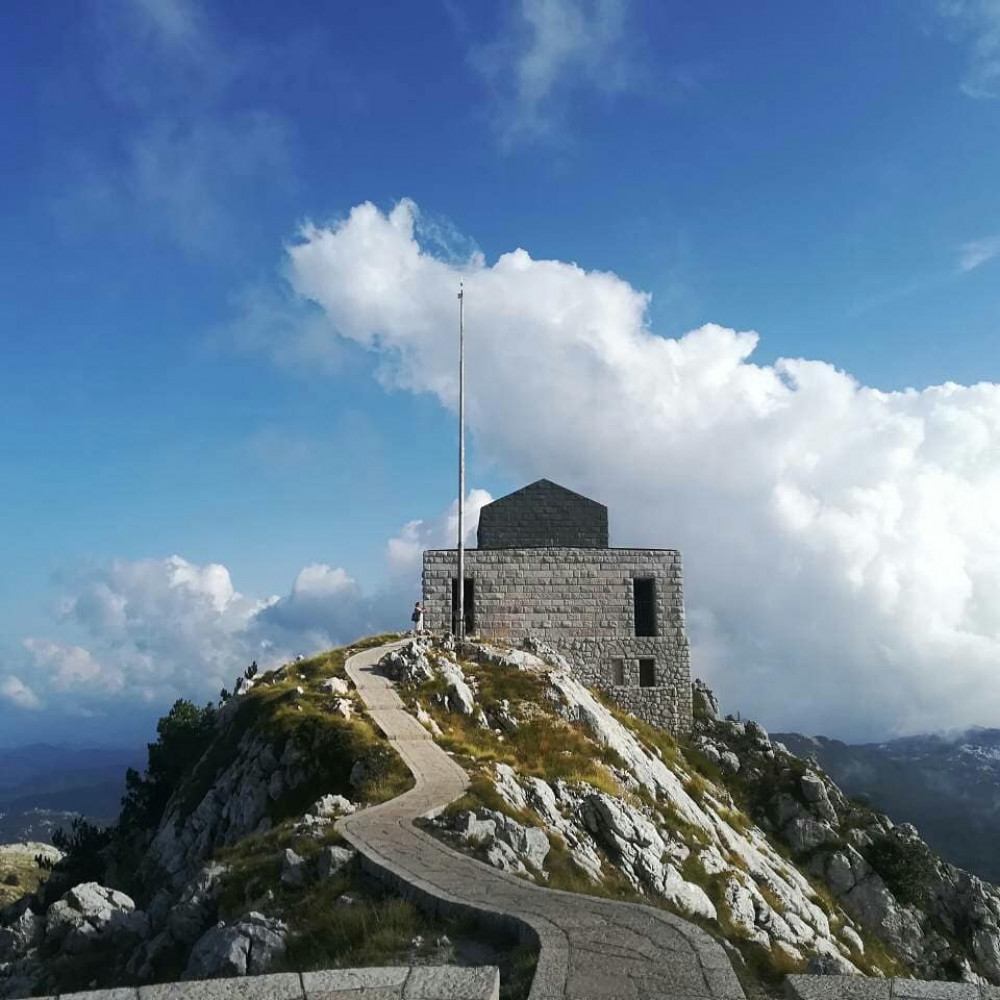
x=251, y=672
x=906, y=866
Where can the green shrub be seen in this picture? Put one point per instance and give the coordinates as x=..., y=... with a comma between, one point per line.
x=906, y=866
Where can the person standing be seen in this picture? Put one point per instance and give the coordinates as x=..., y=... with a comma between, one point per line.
x=418, y=618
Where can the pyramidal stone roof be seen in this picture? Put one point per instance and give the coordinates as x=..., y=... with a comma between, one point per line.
x=543, y=514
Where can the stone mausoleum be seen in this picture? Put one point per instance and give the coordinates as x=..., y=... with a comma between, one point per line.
x=544, y=568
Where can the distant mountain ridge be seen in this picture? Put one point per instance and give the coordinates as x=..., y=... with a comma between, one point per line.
x=43, y=786
x=947, y=785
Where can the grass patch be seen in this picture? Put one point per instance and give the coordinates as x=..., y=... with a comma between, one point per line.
x=481, y=794
x=542, y=745
x=19, y=875
x=565, y=874
x=326, y=933
x=290, y=707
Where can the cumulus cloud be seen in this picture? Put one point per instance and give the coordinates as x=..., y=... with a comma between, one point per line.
x=842, y=544
x=978, y=22
x=159, y=629
x=978, y=252
x=547, y=51
x=405, y=551
x=15, y=691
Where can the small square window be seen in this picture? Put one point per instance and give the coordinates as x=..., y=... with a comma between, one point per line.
x=647, y=673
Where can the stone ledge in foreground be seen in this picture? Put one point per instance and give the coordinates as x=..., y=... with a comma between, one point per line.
x=418, y=982
x=861, y=988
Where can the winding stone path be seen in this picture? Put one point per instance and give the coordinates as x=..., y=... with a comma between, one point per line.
x=589, y=948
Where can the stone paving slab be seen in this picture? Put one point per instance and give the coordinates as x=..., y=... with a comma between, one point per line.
x=445, y=982
x=914, y=989
x=418, y=982
x=283, y=986
x=860, y=988
x=639, y=953
x=119, y=993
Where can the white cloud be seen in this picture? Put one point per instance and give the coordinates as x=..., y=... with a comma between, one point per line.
x=549, y=50
x=978, y=252
x=160, y=629
x=405, y=551
x=842, y=544
x=978, y=21
x=68, y=666
x=14, y=690
x=319, y=580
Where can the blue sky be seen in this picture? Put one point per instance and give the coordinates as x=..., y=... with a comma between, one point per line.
x=173, y=383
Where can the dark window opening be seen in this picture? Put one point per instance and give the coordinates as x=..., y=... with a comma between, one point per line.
x=647, y=673
x=618, y=672
x=644, y=596
x=470, y=606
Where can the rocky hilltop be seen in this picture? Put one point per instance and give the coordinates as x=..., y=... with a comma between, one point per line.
x=225, y=860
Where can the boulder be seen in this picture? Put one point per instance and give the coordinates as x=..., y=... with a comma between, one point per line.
x=408, y=663
x=831, y=965
x=336, y=686
x=333, y=859
x=459, y=697
x=705, y=704
x=331, y=806
x=427, y=721
x=90, y=912
x=22, y=933
x=293, y=868
x=805, y=833
x=195, y=909
x=343, y=707
x=247, y=947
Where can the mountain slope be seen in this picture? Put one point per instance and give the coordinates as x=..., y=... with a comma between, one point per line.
x=927, y=781
x=233, y=822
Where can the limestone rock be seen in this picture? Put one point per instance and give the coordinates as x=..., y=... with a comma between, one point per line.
x=195, y=908
x=331, y=806
x=831, y=965
x=459, y=697
x=247, y=947
x=408, y=663
x=343, y=707
x=335, y=686
x=706, y=704
x=89, y=912
x=23, y=932
x=333, y=859
x=427, y=721
x=804, y=833
x=293, y=868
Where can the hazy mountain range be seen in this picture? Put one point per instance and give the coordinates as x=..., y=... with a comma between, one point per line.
x=948, y=786
x=43, y=786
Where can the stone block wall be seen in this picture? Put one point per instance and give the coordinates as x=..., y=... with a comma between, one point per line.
x=580, y=601
x=540, y=515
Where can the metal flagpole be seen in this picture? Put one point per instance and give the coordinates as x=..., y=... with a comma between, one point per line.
x=461, y=461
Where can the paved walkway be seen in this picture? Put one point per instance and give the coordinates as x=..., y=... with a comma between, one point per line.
x=589, y=948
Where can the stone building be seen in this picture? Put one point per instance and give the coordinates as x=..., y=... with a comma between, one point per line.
x=544, y=568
